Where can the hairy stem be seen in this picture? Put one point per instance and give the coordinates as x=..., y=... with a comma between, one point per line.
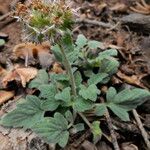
x=69, y=71
x=73, y=85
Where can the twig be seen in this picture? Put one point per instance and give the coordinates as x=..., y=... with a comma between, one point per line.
x=140, y=125
x=95, y=22
x=6, y=15
x=112, y=132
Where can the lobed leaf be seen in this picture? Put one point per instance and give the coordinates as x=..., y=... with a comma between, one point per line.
x=25, y=115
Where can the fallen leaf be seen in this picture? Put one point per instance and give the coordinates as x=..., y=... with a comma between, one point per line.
x=31, y=51
x=23, y=75
x=5, y=96
x=134, y=79
x=57, y=68
x=128, y=146
x=119, y=7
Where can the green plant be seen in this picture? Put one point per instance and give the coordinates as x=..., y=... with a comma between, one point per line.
x=76, y=91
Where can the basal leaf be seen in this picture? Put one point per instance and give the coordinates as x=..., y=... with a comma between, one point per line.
x=97, y=78
x=42, y=78
x=81, y=41
x=26, y=114
x=90, y=92
x=120, y=112
x=58, y=77
x=48, y=91
x=53, y=130
x=81, y=105
x=77, y=128
x=111, y=94
x=64, y=95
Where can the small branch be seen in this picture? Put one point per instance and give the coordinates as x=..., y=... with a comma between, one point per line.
x=140, y=125
x=94, y=22
x=112, y=132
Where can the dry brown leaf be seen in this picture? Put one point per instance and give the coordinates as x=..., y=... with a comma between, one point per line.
x=142, y=8
x=119, y=7
x=57, y=68
x=5, y=96
x=31, y=51
x=134, y=79
x=23, y=75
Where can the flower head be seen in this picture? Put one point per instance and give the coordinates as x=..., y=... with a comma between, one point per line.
x=44, y=19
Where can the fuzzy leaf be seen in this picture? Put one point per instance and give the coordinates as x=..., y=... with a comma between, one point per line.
x=48, y=92
x=64, y=95
x=109, y=66
x=131, y=95
x=100, y=109
x=58, y=77
x=57, y=52
x=107, y=54
x=96, y=131
x=42, y=78
x=95, y=44
x=25, y=115
x=78, y=78
x=90, y=92
x=81, y=41
x=77, y=128
x=120, y=112
x=97, y=78
x=53, y=130
x=69, y=116
x=81, y=105
x=111, y=94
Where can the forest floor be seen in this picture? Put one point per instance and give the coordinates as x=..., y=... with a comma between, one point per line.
x=119, y=24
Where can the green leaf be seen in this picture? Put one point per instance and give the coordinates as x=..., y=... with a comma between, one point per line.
x=2, y=42
x=95, y=44
x=69, y=116
x=48, y=91
x=81, y=41
x=111, y=94
x=78, y=78
x=81, y=105
x=26, y=114
x=58, y=77
x=57, y=52
x=120, y=112
x=90, y=92
x=109, y=66
x=96, y=131
x=64, y=95
x=53, y=130
x=131, y=95
x=100, y=109
x=97, y=78
x=107, y=54
x=42, y=78
x=77, y=128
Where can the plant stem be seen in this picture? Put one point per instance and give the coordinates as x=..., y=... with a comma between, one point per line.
x=69, y=71
x=73, y=85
